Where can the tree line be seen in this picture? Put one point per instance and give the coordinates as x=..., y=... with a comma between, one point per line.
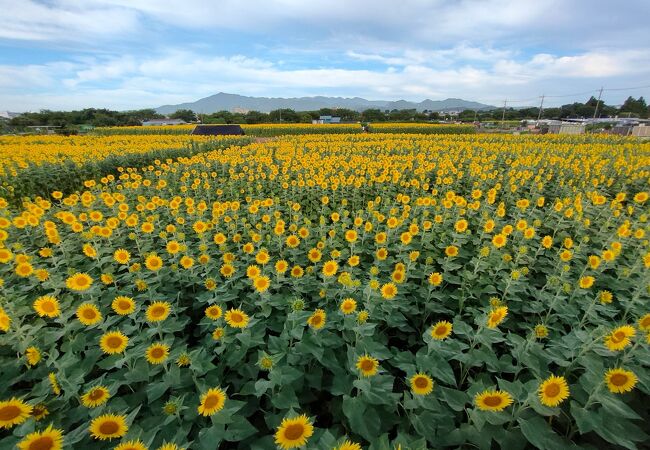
x=103, y=117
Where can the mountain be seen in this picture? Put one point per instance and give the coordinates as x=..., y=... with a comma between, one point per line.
x=241, y=103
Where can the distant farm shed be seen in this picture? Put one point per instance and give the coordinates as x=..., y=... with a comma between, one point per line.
x=218, y=130
x=163, y=122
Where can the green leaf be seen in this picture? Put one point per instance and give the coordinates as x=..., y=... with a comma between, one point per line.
x=454, y=398
x=540, y=434
x=364, y=424
x=210, y=438
x=156, y=390
x=239, y=429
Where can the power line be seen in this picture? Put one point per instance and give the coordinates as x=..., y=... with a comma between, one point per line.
x=575, y=94
x=627, y=89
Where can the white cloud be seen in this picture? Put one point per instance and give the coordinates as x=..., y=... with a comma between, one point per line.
x=118, y=51
x=34, y=21
x=181, y=75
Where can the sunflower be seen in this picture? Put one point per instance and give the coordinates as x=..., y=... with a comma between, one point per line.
x=281, y=266
x=641, y=197
x=441, y=330
x=13, y=412
x=48, y=439
x=54, y=383
x=314, y=255
x=330, y=268
x=183, y=360
x=620, y=380
x=212, y=401
x=644, y=322
x=157, y=353
x=261, y=284
x=541, y=331
x=79, y=282
x=292, y=241
x=158, y=311
x=451, y=251
x=169, y=446
x=96, y=396
x=496, y=316
x=218, y=333
x=348, y=306
x=5, y=321
x=389, y=291
x=499, y=240
x=24, y=269
x=187, y=262
x=33, y=356
x=348, y=445
x=435, y=279
x=123, y=305
x=108, y=426
x=227, y=270
x=173, y=247
x=553, y=391
x=47, y=306
x=398, y=276
x=39, y=411
x=153, y=262
x=619, y=338
x=113, y=342
x=131, y=445
x=421, y=384
x=89, y=251
x=317, y=319
x=605, y=297
x=367, y=365
x=88, y=314
x=253, y=272
x=362, y=317
x=122, y=256
x=493, y=400
x=294, y=432
x=586, y=282
x=213, y=312
x=236, y=318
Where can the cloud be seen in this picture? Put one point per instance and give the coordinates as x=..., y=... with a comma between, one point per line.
x=33, y=21
x=180, y=75
x=126, y=54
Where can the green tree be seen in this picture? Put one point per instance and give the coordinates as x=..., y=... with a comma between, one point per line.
x=373, y=115
x=184, y=114
x=634, y=108
x=253, y=117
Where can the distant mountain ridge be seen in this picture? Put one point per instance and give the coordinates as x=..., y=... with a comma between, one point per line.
x=233, y=102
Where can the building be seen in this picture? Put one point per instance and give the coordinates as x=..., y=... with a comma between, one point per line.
x=43, y=129
x=621, y=130
x=9, y=115
x=161, y=122
x=566, y=128
x=218, y=130
x=326, y=119
x=642, y=130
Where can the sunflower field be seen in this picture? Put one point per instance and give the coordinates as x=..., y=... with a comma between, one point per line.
x=283, y=129
x=335, y=292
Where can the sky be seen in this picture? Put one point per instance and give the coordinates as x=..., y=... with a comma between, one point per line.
x=132, y=54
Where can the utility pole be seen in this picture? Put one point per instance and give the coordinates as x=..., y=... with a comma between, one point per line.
x=503, y=117
x=541, y=108
x=598, y=101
